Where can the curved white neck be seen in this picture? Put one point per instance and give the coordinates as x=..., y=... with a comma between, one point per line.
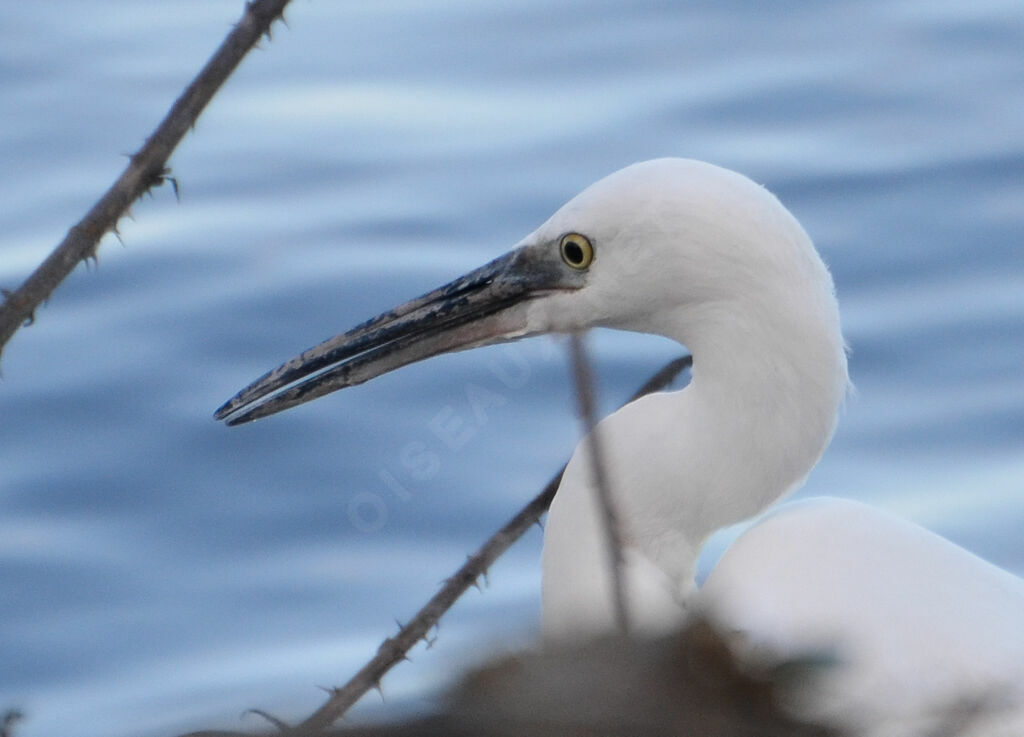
x=760, y=410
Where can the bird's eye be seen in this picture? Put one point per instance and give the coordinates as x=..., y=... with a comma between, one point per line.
x=576, y=250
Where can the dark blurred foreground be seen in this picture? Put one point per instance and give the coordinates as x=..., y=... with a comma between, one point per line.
x=687, y=684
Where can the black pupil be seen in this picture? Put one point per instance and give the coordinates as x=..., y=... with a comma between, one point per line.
x=574, y=252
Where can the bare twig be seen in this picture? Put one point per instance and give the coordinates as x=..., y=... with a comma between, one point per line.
x=394, y=649
x=146, y=168
x=613, y=532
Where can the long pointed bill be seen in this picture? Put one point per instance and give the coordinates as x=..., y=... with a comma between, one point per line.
x=486, y=306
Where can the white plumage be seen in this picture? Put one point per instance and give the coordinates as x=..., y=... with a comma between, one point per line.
x=917, y=624
x=706, y=257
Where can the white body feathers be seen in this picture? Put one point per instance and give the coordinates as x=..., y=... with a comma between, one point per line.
x=708, y=258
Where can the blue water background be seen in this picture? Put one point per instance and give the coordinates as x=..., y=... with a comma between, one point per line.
x=160, y=572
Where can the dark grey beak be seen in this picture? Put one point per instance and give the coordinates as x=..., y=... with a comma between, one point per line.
x=486, y=306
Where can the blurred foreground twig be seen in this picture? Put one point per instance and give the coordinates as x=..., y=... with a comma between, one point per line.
x=394, y=649
x=146, y=168
x=586, y=400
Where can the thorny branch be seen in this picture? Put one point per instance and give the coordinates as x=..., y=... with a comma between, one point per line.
x=585, y=398
x=394, y=649
x=147, y=168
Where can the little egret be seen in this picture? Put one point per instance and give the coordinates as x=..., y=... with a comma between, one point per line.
x=706, y=257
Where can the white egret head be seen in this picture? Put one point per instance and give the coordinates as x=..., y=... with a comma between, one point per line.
x=676, y=243
x=669, y=246
x=675, y=247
